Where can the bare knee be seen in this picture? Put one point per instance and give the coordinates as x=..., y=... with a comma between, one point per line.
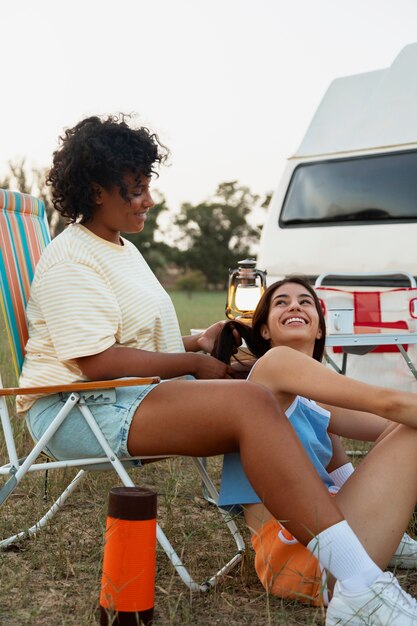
x=255, y=404
x=258, y=395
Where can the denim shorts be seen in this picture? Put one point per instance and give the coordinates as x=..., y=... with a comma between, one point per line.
x=74, y=439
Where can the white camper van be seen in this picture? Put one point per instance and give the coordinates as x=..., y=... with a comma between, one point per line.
x=347, y=199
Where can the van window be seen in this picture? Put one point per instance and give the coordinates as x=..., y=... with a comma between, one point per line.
x=362, y=190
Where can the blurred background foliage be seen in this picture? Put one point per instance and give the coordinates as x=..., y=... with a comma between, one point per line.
x=190, y=250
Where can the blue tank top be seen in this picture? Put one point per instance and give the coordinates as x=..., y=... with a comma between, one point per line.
x=310, y=422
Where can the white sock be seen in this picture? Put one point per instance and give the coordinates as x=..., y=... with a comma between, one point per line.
x=339, y=550
x=340, y=475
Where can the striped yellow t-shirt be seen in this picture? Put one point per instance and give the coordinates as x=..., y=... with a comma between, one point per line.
x=87, y=295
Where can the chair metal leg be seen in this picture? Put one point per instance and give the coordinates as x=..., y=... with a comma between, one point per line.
x=204, y=489
x=41, y=523
x=409, y=362
x=18, y=471
x=231, y=525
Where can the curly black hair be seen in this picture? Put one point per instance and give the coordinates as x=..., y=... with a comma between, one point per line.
x=100, y=151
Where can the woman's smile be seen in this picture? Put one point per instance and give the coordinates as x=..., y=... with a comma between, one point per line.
x=295, y=321
x=141, y=215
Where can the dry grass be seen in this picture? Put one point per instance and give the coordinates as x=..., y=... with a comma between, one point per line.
x=54, y=578
x=57, y=574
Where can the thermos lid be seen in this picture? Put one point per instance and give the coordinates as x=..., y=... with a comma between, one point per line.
x=132, y=503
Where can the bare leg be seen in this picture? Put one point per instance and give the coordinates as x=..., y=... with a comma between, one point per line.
x=339, y=457
x=205, y=418
x=256, y=515
x=380, y=496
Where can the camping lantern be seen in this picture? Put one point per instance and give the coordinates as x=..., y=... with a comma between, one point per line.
x=246, y=286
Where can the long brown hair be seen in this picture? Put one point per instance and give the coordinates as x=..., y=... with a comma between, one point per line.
x=226, y=344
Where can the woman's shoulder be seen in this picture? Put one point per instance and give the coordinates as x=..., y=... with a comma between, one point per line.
x=70, y=246
x=59, y=247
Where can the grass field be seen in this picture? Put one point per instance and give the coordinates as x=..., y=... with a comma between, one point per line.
x=54, y=578
x=200, y=310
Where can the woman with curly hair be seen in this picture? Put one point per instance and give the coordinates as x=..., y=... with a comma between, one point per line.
x=287, y=337
x=96, y=311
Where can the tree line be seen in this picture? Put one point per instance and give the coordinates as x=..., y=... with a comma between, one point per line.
x=195, y=247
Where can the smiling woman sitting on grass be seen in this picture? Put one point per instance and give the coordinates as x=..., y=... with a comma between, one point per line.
x=288, y=336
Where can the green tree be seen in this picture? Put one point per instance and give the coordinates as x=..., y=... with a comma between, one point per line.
x=191, y=281
x=216, y=233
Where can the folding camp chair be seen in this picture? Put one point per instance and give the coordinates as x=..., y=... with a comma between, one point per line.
x=24, y=234
x=378, y=323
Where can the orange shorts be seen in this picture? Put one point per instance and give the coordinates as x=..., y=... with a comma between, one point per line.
x=286, y=568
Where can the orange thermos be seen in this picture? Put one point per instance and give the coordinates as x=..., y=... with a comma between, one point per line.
x=129, y=562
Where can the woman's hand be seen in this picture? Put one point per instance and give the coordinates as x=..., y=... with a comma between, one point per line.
x=242, y=368
x=207, y=367
x=207, y=338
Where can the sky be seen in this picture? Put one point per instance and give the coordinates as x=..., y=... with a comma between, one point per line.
x=229, y=85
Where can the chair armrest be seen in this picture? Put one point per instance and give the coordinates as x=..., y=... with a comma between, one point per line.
x=94, y=384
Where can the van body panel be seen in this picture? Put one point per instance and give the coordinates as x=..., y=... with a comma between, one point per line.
x=340, y=248
x=366, y=115
x=365, y=111
x=312, y=250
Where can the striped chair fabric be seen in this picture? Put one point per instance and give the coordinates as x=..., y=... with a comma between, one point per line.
x=24, y=233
